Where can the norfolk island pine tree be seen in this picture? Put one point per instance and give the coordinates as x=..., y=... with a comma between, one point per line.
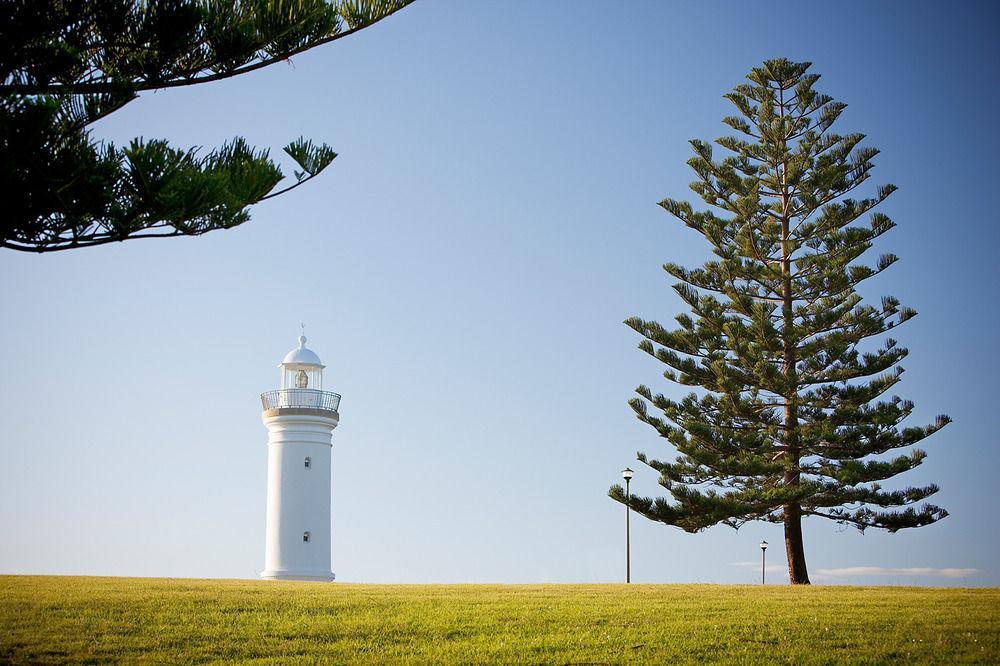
x=791, y=418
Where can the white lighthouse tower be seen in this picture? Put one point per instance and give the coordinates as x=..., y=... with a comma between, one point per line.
x=300, y=419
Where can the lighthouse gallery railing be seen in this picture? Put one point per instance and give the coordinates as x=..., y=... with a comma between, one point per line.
x=307, y=398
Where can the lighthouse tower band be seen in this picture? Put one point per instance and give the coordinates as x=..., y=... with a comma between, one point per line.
x=300, y=418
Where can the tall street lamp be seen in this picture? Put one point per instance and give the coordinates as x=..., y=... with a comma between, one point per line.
x=627, y=475
x=763, y=549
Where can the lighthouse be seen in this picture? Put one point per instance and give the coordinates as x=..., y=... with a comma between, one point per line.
x=300, y=418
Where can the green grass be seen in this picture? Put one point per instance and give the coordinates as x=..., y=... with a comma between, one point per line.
x=49, y=619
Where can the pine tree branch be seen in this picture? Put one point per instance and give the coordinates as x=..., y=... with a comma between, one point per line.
x=105, y=84
x=291, y=187
x=76, y=244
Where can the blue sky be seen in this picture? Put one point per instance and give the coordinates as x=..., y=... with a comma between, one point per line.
x=463, y=269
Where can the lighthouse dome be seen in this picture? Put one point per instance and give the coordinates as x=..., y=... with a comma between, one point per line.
x=302, y=355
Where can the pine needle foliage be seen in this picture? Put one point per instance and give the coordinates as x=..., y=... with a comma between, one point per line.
x=65, y=64
x=791, y=367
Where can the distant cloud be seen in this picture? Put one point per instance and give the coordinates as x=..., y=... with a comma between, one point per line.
x=946, y=572
x=845, y=572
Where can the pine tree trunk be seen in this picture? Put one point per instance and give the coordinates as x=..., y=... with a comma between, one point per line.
x=794, y=549
x=797, y=573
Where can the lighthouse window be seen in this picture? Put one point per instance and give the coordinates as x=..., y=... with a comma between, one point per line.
x=309, y=463
x=305, y=536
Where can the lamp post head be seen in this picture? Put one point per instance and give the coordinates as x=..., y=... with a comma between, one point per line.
x=763, y=545
x=627, y=474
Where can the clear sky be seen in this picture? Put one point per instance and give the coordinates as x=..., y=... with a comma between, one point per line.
x=463, y=269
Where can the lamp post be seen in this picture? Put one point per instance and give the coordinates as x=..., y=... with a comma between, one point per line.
x=763, y=549
x=627, y=475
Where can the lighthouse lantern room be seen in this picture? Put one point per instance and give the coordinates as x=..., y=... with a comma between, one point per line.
x=301, y=368
x=300, y=419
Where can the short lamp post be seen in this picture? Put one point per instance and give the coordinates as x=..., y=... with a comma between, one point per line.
x=627, y=475
x=763, y=550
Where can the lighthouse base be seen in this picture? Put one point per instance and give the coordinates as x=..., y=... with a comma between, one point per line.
x=316, y=576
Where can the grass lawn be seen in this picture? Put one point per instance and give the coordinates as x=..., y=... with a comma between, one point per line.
x=51, y=619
